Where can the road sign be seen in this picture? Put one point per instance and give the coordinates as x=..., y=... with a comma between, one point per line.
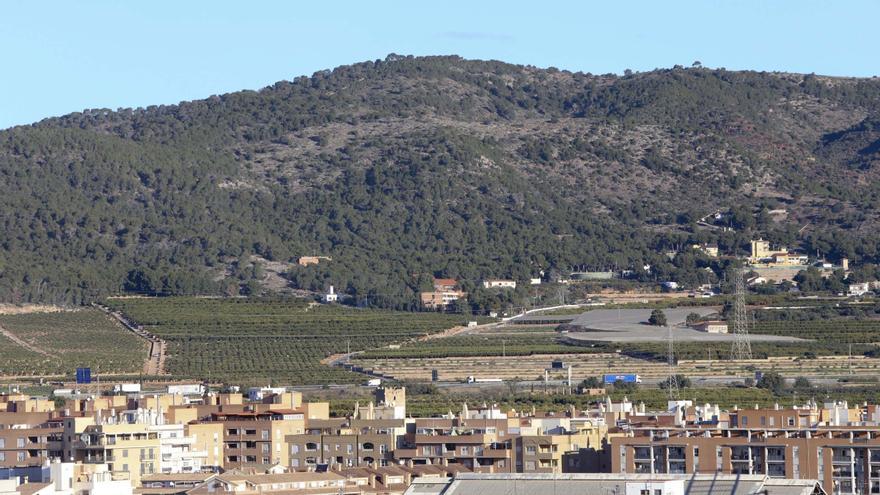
x=83, y=375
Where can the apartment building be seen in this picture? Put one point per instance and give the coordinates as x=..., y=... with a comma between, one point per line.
x=837, y=445
x=258, y=437
x=178, y=451
x=342, y=443
x=481, y=445
x=29, y=439
x=125, y=448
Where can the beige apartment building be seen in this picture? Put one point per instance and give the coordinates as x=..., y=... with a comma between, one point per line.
x=130, y=448
x=258, y=437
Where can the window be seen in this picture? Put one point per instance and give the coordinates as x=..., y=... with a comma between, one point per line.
x=232, y=431
x=265, y=434
x=745, y=421
x=2, y=443
x=250, y=432
x=465, y=451
x=294, y=449
x=2, y=456
x=531, y=449
x=125, y=467
x=20, y=442
x=791, y=421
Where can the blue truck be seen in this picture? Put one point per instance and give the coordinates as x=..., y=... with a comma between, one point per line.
x=625, y=378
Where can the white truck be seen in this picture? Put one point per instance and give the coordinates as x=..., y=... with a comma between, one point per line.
x=473, y=379
x=374, y=382
x=127, y=388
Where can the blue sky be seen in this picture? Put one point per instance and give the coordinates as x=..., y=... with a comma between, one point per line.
x=64, y=56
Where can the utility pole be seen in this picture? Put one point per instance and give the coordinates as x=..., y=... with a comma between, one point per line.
x=850, y=360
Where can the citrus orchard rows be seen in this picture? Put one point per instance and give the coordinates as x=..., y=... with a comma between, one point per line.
x=61, y=341
x=255, y=341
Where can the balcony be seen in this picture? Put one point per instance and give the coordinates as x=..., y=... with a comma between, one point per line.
x=455, y=439
x=405, y=453
x=495, y=454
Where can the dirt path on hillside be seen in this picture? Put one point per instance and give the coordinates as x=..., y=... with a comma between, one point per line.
x=27, y=345
x=155, y=362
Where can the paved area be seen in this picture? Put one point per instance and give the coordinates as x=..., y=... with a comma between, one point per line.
x=631, y=325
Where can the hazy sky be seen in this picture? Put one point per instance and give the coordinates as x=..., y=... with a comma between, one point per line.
x=64, y=56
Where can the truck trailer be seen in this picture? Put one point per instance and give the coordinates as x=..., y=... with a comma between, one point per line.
x=625, y=378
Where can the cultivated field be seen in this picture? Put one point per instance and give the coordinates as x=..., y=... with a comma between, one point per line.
x=496, y=341
x=257, y=341
x=56, y=343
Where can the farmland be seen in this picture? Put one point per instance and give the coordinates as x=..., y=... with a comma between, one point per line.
x=281, y=340
x=51, y=344
x=500, y=341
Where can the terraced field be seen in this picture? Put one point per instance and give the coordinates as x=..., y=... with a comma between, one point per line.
x=257, y=341
x=499, y=341
x=55, y=344
x=587, y=365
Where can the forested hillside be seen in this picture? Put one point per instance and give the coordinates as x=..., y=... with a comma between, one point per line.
x=411, y=167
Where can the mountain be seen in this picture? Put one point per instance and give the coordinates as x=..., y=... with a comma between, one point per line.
x=410, y=167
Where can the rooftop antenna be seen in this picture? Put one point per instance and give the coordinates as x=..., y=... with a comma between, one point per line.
x=672, y=380
x=742, y=347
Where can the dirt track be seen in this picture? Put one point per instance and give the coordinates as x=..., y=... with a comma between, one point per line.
x=27, y=345
x=155, y=362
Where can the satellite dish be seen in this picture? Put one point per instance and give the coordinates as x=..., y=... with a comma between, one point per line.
x=84, y=438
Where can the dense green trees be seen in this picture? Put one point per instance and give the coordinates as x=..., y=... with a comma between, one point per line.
x=410, y=168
